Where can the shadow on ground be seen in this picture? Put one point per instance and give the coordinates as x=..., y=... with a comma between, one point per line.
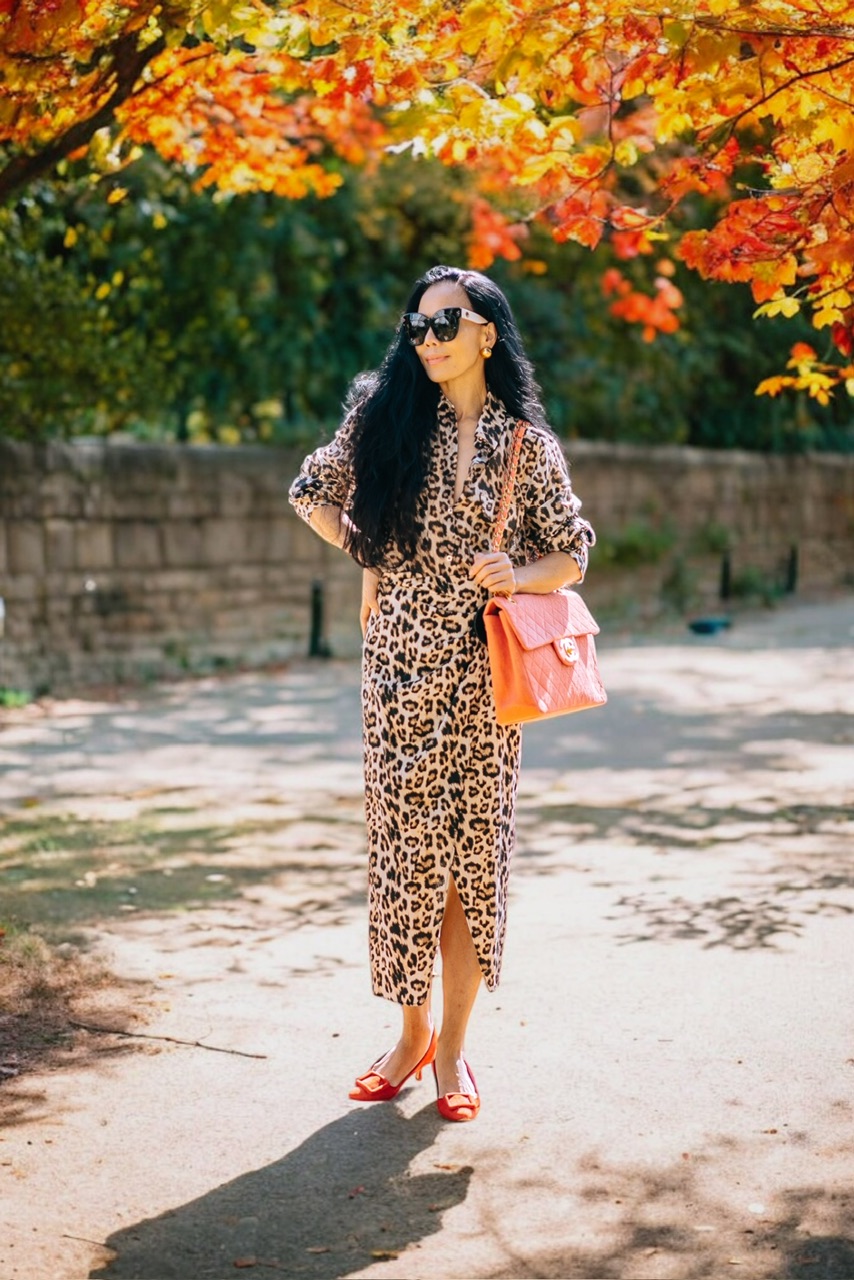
x=666, y=1224
x=42, y=1037
x=774, y=868
x=343, y=1199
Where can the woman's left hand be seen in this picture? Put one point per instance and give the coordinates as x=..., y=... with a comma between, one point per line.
x=370, y=602
x=494, y=571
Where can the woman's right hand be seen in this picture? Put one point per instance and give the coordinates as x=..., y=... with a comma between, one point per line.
x=370, y=603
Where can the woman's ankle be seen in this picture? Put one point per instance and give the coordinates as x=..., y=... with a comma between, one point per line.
x=417, y=1024
x=450, y=1047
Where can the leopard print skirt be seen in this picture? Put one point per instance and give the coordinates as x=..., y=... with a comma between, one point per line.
x=441, y=779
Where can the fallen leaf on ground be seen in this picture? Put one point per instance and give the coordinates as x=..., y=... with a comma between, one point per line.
x=318, y=1248
x=387, y=1255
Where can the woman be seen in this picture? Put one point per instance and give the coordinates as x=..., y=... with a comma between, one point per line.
x=409, y=486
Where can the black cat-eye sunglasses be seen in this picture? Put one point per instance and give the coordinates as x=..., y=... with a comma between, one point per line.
x=445, y=324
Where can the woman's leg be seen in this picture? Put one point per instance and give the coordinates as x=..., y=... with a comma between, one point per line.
x=461, y=978
x=412, y=1045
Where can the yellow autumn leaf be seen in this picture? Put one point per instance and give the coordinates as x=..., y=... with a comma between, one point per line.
x=838, y=298
x=773, y=386
x=626, y=153
x=564, y=132
x=779, y=306
x=672, y=122
x=825, y=316
x=535, y=129
x=519, y=103
x=480, y=23
x=538, y=166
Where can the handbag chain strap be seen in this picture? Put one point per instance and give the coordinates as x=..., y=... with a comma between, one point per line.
x=500, y=523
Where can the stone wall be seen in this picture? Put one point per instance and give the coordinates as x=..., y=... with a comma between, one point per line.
x=128, y=561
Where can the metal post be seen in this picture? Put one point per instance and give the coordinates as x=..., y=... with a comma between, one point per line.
x=791, y=581
x=317, y=646
x=726, y=577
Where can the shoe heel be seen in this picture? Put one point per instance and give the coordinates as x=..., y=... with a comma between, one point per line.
x=429, y=1056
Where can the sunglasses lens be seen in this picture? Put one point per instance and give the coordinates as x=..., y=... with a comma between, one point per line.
x=445, y=324
x=415, y=327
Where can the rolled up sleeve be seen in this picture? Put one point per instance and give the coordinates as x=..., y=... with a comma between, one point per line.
x=325, y=477
x=552, y=518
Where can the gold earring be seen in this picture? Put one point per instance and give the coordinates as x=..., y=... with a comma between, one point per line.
x=486, y=352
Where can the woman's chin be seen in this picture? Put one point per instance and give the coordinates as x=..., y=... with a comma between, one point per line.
x=436, y=370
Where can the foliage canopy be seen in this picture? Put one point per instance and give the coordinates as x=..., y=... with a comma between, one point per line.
x=600, y=120
x=173, y=315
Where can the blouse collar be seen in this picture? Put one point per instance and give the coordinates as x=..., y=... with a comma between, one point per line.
x=494, y=425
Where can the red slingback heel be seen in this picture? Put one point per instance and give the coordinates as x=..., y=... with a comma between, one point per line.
x=458, y=1106
x=373, y=1087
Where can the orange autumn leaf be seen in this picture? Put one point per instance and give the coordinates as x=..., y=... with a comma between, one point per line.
x=492, y=236
x=655, y=313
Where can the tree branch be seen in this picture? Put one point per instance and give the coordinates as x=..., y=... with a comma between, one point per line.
x=128, y=63
x=141, y=1035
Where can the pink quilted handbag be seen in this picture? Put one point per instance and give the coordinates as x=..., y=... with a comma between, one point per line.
x=542, y=654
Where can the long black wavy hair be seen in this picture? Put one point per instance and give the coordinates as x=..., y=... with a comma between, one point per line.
x=394, y=411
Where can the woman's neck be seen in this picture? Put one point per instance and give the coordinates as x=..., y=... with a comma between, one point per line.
x=466, y=404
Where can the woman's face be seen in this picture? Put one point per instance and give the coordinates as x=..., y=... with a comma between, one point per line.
x=461, y=357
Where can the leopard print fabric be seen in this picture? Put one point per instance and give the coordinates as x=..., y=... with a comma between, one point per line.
x=440, y=774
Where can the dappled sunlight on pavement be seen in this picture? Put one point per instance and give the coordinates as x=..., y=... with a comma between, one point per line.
x=666, y=1069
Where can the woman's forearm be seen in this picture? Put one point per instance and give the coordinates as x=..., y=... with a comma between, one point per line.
x=331, y=524
x=557, y=569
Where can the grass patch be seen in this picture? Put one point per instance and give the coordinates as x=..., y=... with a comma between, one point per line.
x=42, y=985
x=12, y=698
x=61, y=872
x=37, y=975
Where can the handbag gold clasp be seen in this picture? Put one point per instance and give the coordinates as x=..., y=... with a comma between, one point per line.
x=567, y=649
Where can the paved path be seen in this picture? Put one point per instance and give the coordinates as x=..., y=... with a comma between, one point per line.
x=667, y=1069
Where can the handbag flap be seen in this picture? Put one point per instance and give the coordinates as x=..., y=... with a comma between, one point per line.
x=538, y=620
